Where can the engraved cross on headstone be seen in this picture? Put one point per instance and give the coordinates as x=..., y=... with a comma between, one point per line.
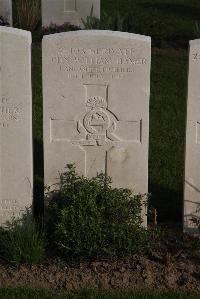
x=96, y=130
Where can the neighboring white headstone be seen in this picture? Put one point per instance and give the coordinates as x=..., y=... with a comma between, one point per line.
x=16, y=165
x=73, y=11
x=6, y=10
x=192, y=159
x=96, y=87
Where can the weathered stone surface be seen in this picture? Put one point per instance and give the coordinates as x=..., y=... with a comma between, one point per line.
x=6, y=10
x=15, y=123
x=192, y=159
x=61, y=11
x=96, y=87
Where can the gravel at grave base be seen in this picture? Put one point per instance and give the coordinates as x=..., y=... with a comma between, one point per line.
x=132, y=273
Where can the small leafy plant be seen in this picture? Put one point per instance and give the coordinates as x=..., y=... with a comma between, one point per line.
x=3, y=21
x=91, y=22
x=53, y=28
x=196, y=29
x=196, y=221
x=21, y=242
x=88, y=218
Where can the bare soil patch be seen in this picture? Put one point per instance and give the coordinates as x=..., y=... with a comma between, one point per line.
x=165, y=267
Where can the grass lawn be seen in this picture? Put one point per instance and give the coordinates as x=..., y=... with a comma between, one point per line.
x=167, y=132
x=161, y=19
x=42, y=294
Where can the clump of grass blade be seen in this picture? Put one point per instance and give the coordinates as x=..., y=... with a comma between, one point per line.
x=28, y=14
x=21, y=242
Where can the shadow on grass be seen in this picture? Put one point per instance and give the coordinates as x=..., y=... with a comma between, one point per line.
x=180, y=10
x=38, y=179
x=168, y=203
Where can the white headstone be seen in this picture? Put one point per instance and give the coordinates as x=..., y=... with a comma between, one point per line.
x=16, y=166
x=96, y=105
x=73, y=11
x=192, y=159
x=6, y=10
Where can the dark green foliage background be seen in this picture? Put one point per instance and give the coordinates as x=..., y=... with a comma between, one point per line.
x=161, y=19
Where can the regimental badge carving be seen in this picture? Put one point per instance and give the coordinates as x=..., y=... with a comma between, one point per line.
x=95, y=130
x=98, y=125
x=9, y=112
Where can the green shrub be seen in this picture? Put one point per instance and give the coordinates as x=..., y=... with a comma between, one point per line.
x=91, y=22
x=21, y=242
x=88, y=218
x=196, y=30
x=53, y=28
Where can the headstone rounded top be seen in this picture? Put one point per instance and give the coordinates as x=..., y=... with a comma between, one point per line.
x=100, y=33
x=16, y=31
x=194, y=42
